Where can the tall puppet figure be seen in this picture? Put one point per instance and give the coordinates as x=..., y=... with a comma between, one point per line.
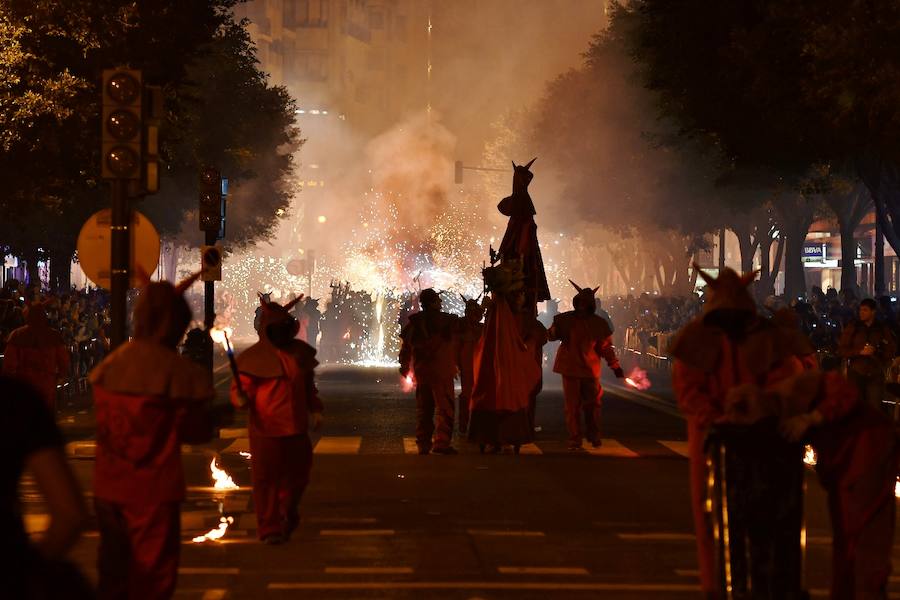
x=507, y=363
x=36, y=354
x=520, y=240
x=585, y=339
x=277, y=376
x=149, y=401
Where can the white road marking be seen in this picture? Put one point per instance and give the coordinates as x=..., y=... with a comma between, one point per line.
x=341, y=520
x=338, y=445
x=409, y=446
x=368, y=570
x=488, y=585
x=505, y=533
x=241, y=444
x=36, y=522
x=680, y=448
x=688, y=572
x=656, y=537
x=542, y=571
x=611, y=448
x=530, y=449
x=213, y=594
x=356, y=532
x=209, y=571
x=237, y=432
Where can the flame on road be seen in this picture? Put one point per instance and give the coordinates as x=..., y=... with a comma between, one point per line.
x=407, y=384
x=638, y=379
x=897, y=488
x=217, y=533
x=222, y=479
x=809, y=456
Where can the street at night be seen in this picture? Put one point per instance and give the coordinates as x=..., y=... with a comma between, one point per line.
x=379, y=521
x=475, y=299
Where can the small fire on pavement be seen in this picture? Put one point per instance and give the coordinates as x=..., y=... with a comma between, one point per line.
x=407, y=384
x=217, y=533
x=222, y=479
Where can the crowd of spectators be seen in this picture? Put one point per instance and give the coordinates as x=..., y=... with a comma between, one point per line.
x=80, y=316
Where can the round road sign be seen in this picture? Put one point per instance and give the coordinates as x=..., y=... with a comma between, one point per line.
x=94, y=247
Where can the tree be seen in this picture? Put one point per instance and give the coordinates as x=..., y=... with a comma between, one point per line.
x=596, y=126
x=51, y=60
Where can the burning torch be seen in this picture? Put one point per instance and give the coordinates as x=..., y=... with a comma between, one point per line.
x=220, y=335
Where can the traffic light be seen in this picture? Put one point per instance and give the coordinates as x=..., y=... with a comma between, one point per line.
x=210, y=200
x=457, y=178
x=122, y=125
x=211, y=263
x=153, y=116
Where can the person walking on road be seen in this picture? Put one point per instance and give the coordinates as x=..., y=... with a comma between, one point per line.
x=428, y=353
x=585, y=339
x=277, y=386
x=149, y=401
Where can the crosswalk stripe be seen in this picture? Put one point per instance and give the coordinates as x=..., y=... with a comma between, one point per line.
x=36, y=522
x=409, y=445
x=676, y=447
x=209, y=571
x=547, y=586
x=656, y=537
x=368, y=570
x=612, y=448
x=241, y=444
x=214, y=594
x=505, y=533
x=688, y=572
x=542, y=571
x=530, y=449
x=237, y=432
x=338, y=445
x=355, y=532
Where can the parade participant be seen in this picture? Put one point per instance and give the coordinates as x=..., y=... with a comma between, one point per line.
x=471, y=330
x=535, y=337
x=277, y=377
x=507, y=373
x=313, y=318
x=584, y=338
x=869, y=346
x=858, y=457
x=257, y=315
x=36, y=354
x=149, y=401
x=429, y=353
x=724, y=356
x=520, y=239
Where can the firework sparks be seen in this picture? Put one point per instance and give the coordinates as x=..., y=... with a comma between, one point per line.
x=638, y=379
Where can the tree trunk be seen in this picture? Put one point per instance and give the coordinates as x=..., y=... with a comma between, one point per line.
x=848, y=257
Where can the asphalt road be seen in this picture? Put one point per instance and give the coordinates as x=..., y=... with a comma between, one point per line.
x=379, y=521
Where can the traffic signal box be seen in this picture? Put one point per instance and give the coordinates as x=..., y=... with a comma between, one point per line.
x=210, y=200
x=122, y=126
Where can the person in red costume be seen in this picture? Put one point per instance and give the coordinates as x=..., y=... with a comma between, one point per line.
x=724, y=357
x=471, y=330
x=35, y=353
x=585, y=339
x=857, y=462
x=506, y=370
x=429, y=351
x=149, y=401
x=277, y=386
x=520, y=239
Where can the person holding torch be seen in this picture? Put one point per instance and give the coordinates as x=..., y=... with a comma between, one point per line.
x=276, y=383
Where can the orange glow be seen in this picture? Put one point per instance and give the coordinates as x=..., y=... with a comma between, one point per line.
x=638, y=379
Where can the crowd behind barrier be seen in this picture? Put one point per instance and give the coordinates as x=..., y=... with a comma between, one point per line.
x=80, y=316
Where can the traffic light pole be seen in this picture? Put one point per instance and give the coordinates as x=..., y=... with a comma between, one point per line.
x=209, y=291
x=120, y=261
